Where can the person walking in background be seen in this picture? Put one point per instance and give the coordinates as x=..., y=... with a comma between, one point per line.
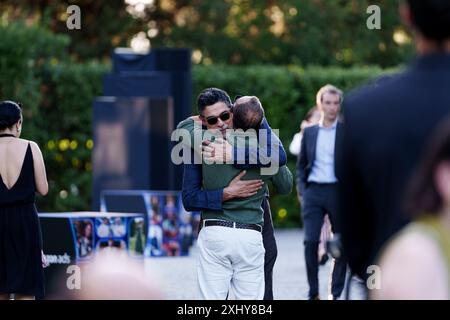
x=325, y=236
x=385, y=130
x=22, y=174
x=318, y=186
x=312, y=118
x=423, y=245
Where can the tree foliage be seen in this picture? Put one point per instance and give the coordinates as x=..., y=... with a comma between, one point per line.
x=104, y=24
x=321, y=32
x=57, y=93
x=50, y=69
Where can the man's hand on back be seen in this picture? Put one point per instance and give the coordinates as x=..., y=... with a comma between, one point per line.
x=241, y=188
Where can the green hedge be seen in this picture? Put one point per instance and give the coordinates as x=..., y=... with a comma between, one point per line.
x=57, y=94
x=286, y=93
x=66, y=115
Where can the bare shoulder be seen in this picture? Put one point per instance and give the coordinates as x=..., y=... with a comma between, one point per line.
x=19, y=143
x=34, y=146
x=406, y=264
x=411, y=245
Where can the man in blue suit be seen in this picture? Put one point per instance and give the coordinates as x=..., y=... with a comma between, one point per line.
x=318, y=183
x=386, y=127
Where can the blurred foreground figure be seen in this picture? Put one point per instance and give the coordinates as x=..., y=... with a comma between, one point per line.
x=385, y=130
x=111, y=275
x=312, y=118
x=416, y=263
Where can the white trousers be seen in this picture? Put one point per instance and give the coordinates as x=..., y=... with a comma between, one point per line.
x=230, y=259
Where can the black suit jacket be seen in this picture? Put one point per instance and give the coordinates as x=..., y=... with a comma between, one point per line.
x=386, y=127
x=307, y=155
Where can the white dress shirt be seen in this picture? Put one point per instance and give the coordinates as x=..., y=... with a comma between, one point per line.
x=323, y=167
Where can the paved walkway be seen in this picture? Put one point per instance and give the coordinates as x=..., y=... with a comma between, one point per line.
x=177, y=276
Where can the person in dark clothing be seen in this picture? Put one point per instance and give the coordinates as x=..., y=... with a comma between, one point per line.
x=22, y=174
x=318, y=186
x=386, y=127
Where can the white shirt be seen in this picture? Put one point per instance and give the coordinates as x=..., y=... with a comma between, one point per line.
x=295, y=145
x=323, y=167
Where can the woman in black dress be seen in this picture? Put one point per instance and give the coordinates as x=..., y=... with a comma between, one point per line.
x=22, y=174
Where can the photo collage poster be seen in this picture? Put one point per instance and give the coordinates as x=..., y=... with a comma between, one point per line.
x=100, y=233
x=171, y=229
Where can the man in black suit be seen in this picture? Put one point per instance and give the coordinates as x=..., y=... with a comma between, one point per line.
x=386, y=127
x=318, y=186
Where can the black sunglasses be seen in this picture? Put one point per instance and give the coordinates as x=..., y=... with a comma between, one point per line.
x=224, y=116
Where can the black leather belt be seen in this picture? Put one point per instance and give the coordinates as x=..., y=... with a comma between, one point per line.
x=230, y=224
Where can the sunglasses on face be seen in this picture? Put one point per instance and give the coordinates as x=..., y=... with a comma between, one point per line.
x=224, y=116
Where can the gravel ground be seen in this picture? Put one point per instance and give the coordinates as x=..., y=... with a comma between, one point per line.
x=176, y=276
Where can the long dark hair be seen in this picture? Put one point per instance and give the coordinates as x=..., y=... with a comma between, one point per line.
x=10, y=114
x=422, y=194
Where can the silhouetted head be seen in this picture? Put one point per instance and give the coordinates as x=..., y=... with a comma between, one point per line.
x=430, y=17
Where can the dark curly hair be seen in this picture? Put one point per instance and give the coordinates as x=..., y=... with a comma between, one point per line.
x=211, y=96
